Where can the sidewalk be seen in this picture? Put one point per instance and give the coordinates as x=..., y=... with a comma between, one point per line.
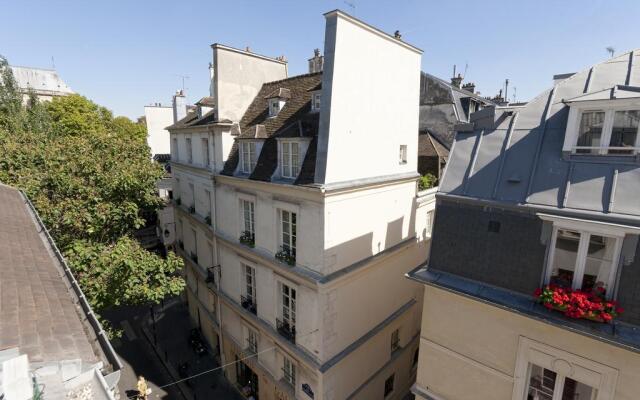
x=171, y=344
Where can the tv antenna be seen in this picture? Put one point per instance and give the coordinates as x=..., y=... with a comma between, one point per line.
x=352, y=5
x=466, y=67
x=53, y=63
x=183, y=77
x=611, y=50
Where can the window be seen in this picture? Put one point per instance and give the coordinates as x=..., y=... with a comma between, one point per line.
x=205, y=152
x=189, y=151
x=248, y=217
x=250, y=283
x=252, y=341
x=248, y=157
x=290, y=162
x=289, y=372
x=608, y=132
x=274, y=107
x=192, y=191
x=288, y=305
x=388, y=385
x=582, y=260
x=547, y=373
x=174, y=149
x=395, y=340
x=403, y=154
x=416, y=356
x=288, y=220
x=315, y=101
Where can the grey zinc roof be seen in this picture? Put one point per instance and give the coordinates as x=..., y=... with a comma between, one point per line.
x=37, y=311
x=40, y=80
x=515, y=155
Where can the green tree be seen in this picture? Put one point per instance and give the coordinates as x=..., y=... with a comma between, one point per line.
x=90, y=176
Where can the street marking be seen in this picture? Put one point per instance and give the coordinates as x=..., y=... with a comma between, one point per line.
x=128, y=330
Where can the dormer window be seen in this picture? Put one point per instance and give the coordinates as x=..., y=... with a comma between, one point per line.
x=247, y=157
x=604, y=123
x=290, y=159
x=274, y=107
x=315, y=101
x=277, y=99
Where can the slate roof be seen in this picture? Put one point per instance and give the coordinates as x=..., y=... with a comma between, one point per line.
x=514, y=155
x=430, y=146
x=192, y=119
x=441, y=107
x=46, y=81
x=295, y=119
x=37, y=310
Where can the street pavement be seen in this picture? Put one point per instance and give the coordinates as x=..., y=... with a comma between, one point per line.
x=158, y=357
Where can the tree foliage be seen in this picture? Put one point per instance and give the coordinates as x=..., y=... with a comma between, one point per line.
x=90, y=176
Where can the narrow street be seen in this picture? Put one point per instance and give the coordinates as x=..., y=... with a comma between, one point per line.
x=158, y=357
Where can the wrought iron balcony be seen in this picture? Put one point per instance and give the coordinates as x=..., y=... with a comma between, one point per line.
x=248, y=304
x=287, y=330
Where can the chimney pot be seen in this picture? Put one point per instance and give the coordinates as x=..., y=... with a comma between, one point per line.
x=397, y=35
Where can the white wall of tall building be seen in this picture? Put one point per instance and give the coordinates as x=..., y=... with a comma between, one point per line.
x=157, y=119
x=370, y=97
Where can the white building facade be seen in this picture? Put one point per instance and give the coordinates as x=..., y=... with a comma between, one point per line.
x=298, y=216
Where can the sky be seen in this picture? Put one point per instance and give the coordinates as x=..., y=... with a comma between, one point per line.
x=128, y=54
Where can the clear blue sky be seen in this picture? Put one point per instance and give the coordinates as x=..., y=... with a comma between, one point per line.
x=126, y=54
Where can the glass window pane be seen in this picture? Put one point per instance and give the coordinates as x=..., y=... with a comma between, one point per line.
x=625, y=130
x=590, y=133
x=564, y=258
x=541, y=383
x=574, y=390
x=599, y=262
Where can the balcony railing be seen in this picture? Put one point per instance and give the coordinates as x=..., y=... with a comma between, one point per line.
x=287, y=330
x=248, y=238
x=249, y=304
x=211, y=276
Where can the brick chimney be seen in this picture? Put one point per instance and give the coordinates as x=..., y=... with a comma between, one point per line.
x=179, y=106
x=316, y=62
x=457, y=81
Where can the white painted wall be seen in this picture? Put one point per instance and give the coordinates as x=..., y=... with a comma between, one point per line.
x=238, y=76
x=370, y=97
x=158, y=118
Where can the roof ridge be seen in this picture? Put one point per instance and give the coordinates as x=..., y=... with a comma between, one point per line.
x=294, y=77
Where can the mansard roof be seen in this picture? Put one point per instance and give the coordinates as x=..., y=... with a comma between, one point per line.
x=295, y=119
x=514, y=154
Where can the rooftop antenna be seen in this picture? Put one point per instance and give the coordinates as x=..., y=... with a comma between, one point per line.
x=611, y=50
x=506, y=89
x=454, y=70
x=466, y=67
x=351, y=5
x=53, y=63
x=514, y=94
x=183, y=78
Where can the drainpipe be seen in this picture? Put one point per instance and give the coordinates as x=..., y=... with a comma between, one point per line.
x=214, y=223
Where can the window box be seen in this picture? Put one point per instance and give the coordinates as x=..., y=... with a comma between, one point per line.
x=192, y=210
x=207, y=219
x=178, y=201
x=248, y=239
x=286, y=256
x=591, y=305
x=287, y=330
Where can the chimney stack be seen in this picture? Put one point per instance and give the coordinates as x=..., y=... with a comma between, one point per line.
x=179, y=106
x=316, y=63
x=457, y=81
x=469, y=87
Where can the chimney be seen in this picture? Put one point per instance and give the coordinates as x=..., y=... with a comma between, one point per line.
x=469, y=87
x=457, y=81
x=179, y=106
x=316, y=63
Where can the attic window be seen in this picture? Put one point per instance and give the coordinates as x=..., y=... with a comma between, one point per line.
x=290, y=159
x=274, y=106
x=608, y=132
x=247, y=157
x=315, y=101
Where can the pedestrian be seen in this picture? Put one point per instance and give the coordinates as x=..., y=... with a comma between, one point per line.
x=143, y=389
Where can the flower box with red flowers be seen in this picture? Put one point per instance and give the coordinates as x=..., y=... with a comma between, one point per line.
x=591, y=305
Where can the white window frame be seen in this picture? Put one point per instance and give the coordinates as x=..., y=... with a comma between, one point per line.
x=206, y=159
x=287, y=313
x=566, y=365
x=275, y=106
x=403, y=154
x=609, y=107
x=290, y=164
x=189, y=146
x=244, y=202
x=249, y=290
x=587, y=228
x=252, y=340
x=289, y=370
x=247, y=156
x=316, y=101
x=293, y=237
